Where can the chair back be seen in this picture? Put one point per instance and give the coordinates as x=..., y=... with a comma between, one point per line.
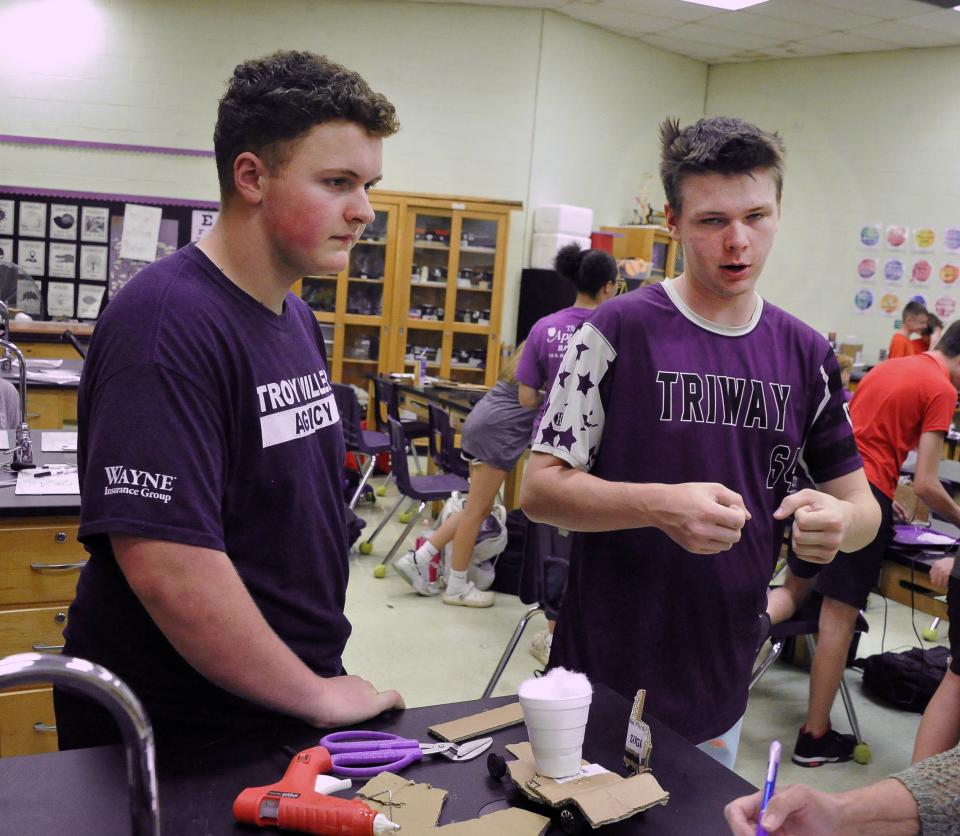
x=385, y=402
x=443, y=448
x=350, y=415
x=398, y=457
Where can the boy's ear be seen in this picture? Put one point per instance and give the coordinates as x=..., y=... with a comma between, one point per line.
x=671, y=219
x=248, y=173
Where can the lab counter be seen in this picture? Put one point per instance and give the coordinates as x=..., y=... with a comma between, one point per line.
x=84, y=792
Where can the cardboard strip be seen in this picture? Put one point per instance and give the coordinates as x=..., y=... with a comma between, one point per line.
x=512, y=822
x=415, y=807
x=476, y=725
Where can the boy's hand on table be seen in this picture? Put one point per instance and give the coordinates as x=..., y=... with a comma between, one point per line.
x=350, y=699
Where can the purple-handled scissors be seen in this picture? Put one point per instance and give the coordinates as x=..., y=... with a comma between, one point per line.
x=364, y=754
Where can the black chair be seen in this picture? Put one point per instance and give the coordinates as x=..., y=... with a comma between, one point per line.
x=443, y=450
x=421, y=489
x=386, y=405
x=358, y=441
x=806, y=622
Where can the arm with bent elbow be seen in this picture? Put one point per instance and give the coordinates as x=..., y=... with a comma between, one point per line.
x=926, y=480
x=703, y=518
x=201, y=605
x=529, y=397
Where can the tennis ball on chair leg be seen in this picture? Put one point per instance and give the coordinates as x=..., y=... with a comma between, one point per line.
x=862, y=753
x=405, y=517
x=930, y=634
x=379, y=571
x=381, y=491
x=366, y=548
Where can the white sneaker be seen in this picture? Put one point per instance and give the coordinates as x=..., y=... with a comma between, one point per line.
x=540, y=647
x=470, y=597
x=415, y=575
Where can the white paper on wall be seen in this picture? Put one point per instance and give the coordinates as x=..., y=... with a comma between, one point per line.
x=93, y=263
x=31, y=256
x=89, y=298
x=60, y=298
x=94, y=224
x=202, y=222
x=141, y=232
x=64, y=221
x=63, y=260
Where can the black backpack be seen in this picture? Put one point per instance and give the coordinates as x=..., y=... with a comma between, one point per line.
x=904, y=680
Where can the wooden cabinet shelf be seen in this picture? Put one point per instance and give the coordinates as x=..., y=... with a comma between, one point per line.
x=367, y=322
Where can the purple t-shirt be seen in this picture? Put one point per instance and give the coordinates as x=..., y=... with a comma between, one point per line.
x=544, y=349
x=207, y=420
x=651, y=392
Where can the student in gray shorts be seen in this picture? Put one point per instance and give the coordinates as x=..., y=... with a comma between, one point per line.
x=494, y=437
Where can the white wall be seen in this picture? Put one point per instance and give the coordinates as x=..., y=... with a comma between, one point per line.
x=870, y=138
x=502, y=103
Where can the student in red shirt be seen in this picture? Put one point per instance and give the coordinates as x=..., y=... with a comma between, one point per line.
x=899, y=406
x=914, y=320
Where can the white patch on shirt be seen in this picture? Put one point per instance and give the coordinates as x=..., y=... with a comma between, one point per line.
x=296, y=407
x=572, y=424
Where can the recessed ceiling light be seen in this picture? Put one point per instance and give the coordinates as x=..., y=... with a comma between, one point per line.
x=728, y=5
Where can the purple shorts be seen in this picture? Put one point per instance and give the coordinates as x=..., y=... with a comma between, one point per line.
x=953, y=613
x=850, y=577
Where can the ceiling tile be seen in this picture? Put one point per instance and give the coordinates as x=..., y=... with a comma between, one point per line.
x=674, y=9
x=943, y=21
x=721, y=37
x=888, y=9
x=816, y=13
x=780, y=30
x=841, y=42
x=900, y=32
x=702, y=52
x=631, y=22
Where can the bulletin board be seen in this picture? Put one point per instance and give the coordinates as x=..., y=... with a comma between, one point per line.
x=69, y=242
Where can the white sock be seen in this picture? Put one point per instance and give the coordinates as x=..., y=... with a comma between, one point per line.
x=422, y=555
x=457, y=582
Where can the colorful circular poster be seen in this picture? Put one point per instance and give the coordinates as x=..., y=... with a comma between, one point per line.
x=923, y=239
x=867, y=268
x=944, y=307
x=893, y=270
x=921, y=272
x=951, y=238
x=870, y=236
x=863, y=300
x=890, y=303
x=918, y=298
x=949, y=273
x=896, y=237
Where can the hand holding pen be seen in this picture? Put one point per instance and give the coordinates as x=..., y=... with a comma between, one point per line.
x=769, y=786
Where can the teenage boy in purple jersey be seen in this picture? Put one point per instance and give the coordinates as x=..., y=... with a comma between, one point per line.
x=670, y=441
x=210, y=449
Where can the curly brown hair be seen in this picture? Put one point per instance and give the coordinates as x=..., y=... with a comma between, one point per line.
x=274, y=100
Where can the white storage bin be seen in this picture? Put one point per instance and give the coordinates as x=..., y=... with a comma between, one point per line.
x=563, y=218
x=546, y=245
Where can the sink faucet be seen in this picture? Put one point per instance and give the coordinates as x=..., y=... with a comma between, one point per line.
x=23, y=451
x=99, y=684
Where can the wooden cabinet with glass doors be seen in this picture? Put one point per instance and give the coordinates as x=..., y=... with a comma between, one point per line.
x=425, y=281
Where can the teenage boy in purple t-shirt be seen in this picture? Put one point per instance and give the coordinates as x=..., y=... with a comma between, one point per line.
x=210, y=449
x=670, y=444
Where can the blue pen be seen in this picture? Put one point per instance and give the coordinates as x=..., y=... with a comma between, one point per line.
x=773, y=764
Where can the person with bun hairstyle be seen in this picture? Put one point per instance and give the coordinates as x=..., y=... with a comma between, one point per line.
x=596, y=278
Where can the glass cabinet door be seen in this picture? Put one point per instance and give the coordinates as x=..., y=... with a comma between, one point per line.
x=475, y=271
x=429, y=269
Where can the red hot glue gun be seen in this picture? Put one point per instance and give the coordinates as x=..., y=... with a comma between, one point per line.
x=292, y=803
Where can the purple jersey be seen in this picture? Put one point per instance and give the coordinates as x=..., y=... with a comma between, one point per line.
x=207, y=420
x=544, y=349
x=651, y=392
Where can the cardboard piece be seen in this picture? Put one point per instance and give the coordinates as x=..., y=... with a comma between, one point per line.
x=466, y=728
x=639, y=745
x=602, y=798
x=415, y=807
